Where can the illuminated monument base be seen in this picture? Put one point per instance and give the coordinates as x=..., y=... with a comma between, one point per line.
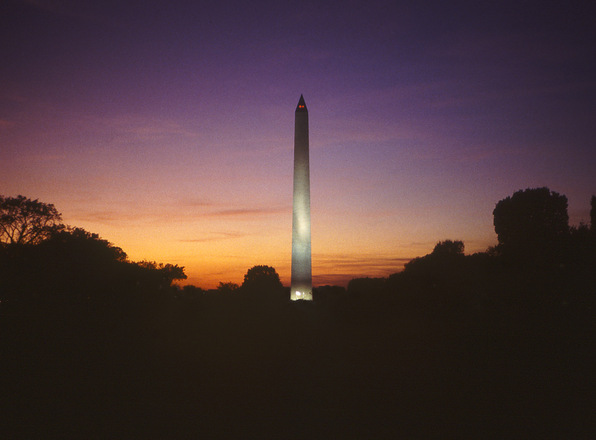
x=297, y=294
x=301, y=261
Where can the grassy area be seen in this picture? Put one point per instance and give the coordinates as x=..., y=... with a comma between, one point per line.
x=228, y=367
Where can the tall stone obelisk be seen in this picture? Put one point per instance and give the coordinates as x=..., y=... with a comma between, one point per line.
x=301, y=261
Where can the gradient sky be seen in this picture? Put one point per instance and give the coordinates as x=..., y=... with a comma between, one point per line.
x=167, y=126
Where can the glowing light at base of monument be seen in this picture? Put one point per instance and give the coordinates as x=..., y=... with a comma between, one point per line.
x=298, y=295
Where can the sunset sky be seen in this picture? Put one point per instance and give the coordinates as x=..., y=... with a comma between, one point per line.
x=167, y=126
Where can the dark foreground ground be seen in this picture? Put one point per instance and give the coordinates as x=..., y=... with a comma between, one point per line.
x=230, y=368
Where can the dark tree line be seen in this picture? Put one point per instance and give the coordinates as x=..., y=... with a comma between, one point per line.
x=45, y=262
x=538, y=255
x=498, y=344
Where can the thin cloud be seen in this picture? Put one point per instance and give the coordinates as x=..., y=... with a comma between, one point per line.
x=197, y=203
x=246, y=212
x=44, y=157
x=107, y=217
x=144, y=128
x=181, y=212
x=361, y=264
x=339, y=270
x=217, y=236
x=208, y=208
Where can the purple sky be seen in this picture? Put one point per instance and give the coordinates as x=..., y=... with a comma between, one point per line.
x=167, y=127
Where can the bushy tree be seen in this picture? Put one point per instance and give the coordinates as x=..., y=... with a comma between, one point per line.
x=70, y=265
x=449, y=247
x=262, y=279
x=260, y=276
x=75, y=266
x=165, y=274
x=83, y=247
x=531, y=221
x=228, y=287
x=441, y=272
x=26, y=221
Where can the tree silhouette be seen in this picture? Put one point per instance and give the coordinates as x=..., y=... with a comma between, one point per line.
x=449, y=247
x=228, y=287
x=75, y=266
x=258, y=276
x=76, y=316
x=442, y=269
x=531, y=221
x=165, y=274
x=70, y=265
x=262, y=279
x=79, y=243
x=26, y=221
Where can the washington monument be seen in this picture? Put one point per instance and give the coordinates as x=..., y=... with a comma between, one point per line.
x=301, y=262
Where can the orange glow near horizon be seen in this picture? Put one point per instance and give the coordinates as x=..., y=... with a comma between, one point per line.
x=221, y=245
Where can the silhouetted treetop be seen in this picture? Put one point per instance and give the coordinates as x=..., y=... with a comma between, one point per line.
x=449, y=247
x=168, y=272
x=228, y=287
x=79, y=243
x=43, y=261
x=445, y=261
x=26, y=221
x=531, y=218
x=261, y=278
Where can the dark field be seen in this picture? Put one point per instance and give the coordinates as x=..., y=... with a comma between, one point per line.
x=355, y=367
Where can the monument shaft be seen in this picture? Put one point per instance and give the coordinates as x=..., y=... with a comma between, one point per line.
x=301, y=256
